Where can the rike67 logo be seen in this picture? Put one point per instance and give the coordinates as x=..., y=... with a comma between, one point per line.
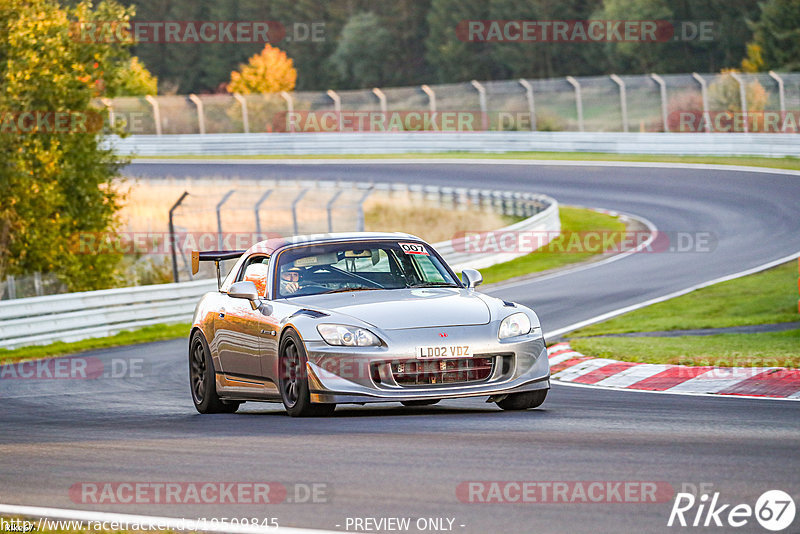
x=774, y=510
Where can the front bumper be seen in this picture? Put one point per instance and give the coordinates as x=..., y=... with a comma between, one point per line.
x=347, y=375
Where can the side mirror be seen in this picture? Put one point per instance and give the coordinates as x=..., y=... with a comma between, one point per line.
x=245, y=290
x=471, y=278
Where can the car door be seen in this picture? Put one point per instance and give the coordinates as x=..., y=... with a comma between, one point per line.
x=241, y=330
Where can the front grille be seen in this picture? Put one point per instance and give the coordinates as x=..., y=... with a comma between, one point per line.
x=444, y=371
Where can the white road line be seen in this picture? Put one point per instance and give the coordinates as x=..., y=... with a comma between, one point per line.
x=631, y=375
x=153, y=522
x=626, y=309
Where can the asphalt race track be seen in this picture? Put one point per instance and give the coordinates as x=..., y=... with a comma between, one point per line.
x=391, y=461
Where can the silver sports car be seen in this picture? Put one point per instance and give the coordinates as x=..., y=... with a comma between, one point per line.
x=316, y=321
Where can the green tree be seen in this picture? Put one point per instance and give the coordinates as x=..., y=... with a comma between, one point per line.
x=360, y=55
x=635, y=56
x=776, y=36
x=57, y=186
x=451, y=58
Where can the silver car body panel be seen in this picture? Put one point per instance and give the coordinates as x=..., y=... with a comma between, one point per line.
x=244, y=341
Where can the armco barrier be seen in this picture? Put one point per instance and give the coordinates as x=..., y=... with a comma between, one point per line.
x=709, y=144
x=75, y=316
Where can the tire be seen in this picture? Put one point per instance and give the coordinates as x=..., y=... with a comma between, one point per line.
x=293, y=381
x=202, y=379
x=426, y=402
x=523, y=401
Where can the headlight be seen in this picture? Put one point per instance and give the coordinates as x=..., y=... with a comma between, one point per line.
x=514, y=325
x=348, y=336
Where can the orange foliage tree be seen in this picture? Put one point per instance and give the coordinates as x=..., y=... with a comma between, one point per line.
x=270, y=71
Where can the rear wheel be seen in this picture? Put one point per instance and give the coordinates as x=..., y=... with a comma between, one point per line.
x=523, y=401
x=426, y=402
x=202, y=379
x=293, y=381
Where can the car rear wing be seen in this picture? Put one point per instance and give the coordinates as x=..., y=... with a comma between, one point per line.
x=216, y=256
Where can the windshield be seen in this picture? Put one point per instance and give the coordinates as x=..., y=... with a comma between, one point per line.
x=340, y=267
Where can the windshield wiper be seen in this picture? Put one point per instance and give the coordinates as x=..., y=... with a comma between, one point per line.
x=433, y=284
x=346, y=289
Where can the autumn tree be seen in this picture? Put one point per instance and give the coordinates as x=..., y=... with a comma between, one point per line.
x=58, y=185
x=270, y=71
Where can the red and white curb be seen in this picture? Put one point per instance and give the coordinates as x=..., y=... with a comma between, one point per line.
x=567, y=365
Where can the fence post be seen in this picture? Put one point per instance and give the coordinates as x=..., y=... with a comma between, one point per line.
x=156, y=112
x=361, y=201
x=172, y=236
x=781, y=97
x=245, y=118
x=296, y=201
x=329, y=208
x=743, y=97
x=12, y=287
x=289, y=107
x=623, y=101
x=578, y=100
x=381, y=98
x=482, y=102
x=37, y=283
x=431, y=97
x=258, y=208
x=662, y=85
x=531, y=104
x=219, y=217
x=201, y=117
x=704, y=93
x=337, y=106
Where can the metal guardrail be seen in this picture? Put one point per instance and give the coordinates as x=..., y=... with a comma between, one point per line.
x=708, y=144
x=76, y=316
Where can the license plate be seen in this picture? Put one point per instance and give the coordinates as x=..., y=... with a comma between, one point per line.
x=444, y=351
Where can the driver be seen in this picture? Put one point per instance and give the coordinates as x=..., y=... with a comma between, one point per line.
x=290, y=280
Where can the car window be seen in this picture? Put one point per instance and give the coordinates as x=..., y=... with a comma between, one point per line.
x=339, y=267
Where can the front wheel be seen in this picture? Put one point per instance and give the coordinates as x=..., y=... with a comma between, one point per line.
x=523, y=401
x=202, y=379
x=293, y=380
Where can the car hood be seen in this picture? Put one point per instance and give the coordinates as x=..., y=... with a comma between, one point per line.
x=405, y=308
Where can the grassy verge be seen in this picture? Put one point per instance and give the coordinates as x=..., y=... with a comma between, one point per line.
x=561, y=251
x=751, y=161
x=763, y=298
x=725, y=350
x=129, y=337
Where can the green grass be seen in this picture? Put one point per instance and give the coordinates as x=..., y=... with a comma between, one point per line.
x=129, y=337
x=766, y=349
x=791, y=163
x=557, y=253
x=762, y=298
